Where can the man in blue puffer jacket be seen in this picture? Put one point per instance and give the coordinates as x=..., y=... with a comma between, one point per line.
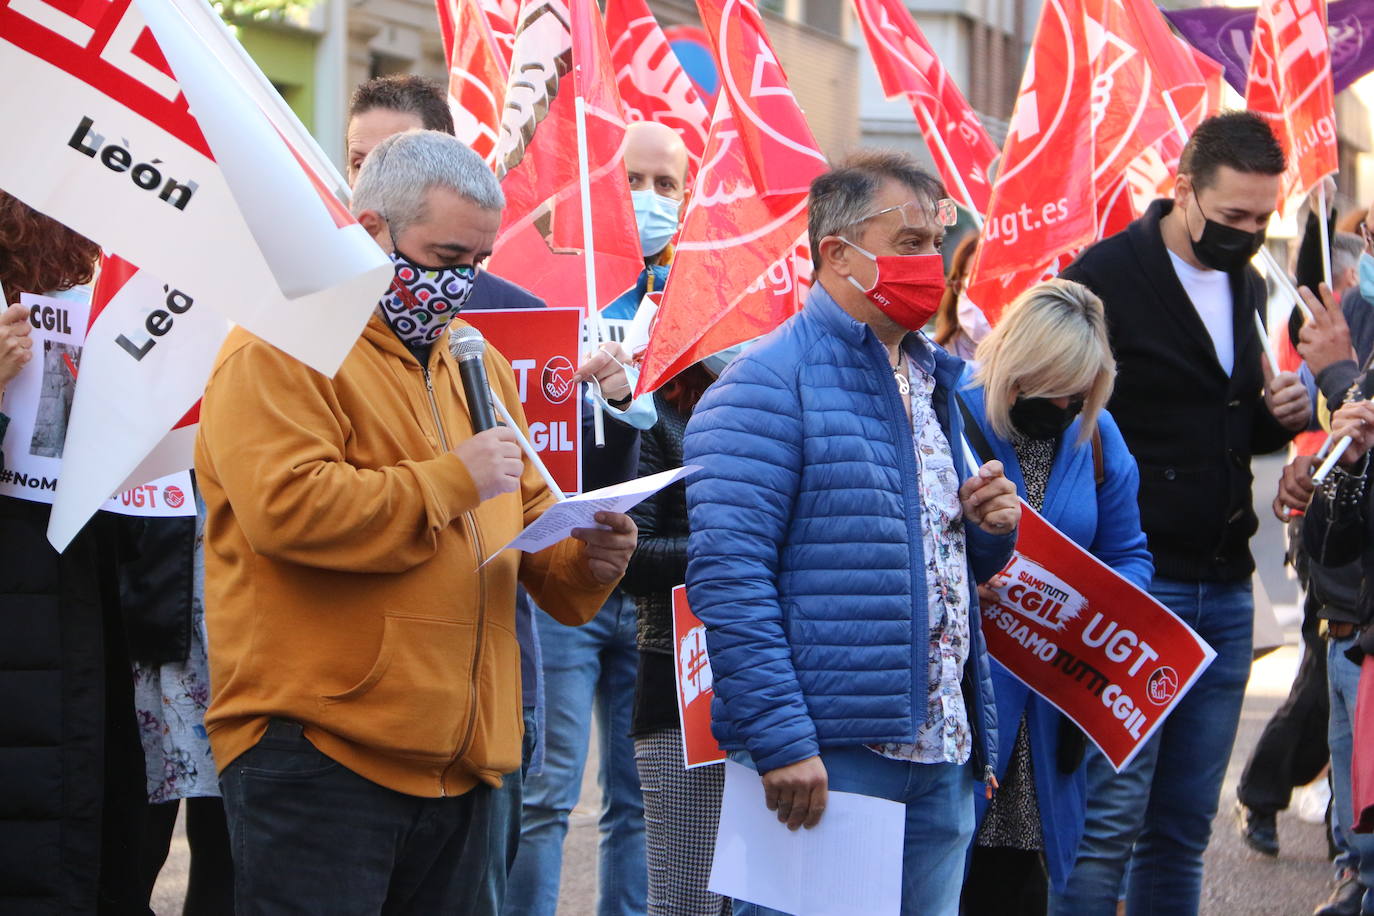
x=834, y=552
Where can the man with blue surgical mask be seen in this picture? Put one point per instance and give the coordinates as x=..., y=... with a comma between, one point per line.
x=656, y=162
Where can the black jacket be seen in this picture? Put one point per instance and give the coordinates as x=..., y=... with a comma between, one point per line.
x=58, y=614
x=660, y=560
x=1338, y=530
x=1191, y=427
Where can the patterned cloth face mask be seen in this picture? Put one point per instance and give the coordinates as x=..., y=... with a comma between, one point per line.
x=421, y=301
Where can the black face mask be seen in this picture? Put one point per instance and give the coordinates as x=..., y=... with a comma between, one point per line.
x=1040, y=418
x=1223, y=247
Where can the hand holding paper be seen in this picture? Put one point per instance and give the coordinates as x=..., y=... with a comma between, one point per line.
x=609, y=547
x=579, y=512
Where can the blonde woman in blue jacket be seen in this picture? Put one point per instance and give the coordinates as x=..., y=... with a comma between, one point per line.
x=1038, y=395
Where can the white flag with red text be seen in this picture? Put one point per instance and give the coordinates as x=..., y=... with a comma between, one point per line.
x=218, y=203
x=233, y=208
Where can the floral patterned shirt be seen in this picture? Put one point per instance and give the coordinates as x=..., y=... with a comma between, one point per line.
x=945, y=736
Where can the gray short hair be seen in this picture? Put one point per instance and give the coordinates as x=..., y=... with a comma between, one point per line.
x=844, y=195
x=398, y=174
x=1346, y=248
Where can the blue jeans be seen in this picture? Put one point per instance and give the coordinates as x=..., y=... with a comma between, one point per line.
x=585, y=668
x=939, y=821
x=1157, y=813
x=1343, y=678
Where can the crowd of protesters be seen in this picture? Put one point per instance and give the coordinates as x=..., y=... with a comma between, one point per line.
x=363, y=716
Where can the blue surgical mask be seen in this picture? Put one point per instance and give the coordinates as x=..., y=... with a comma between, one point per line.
x=656, y=217
x=1367, y=276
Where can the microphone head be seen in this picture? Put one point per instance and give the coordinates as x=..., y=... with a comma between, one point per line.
x=466, y=343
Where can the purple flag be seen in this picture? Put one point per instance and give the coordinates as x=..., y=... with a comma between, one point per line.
x=1224, y=34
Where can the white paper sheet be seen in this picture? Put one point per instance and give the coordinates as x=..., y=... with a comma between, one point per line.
x=580, y=511
x=849, y=863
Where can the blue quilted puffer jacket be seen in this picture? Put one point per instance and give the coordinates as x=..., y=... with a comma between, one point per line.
x=805, y=557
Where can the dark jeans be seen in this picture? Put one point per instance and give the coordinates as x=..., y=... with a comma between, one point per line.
x=310, y=835
x=1292, y=750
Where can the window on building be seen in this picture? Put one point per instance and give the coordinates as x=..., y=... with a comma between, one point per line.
x=826, y=15
x=774, y=6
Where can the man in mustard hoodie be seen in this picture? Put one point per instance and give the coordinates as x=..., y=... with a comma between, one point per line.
x=364, y=667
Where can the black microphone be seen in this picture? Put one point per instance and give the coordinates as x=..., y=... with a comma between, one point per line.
x=467, y=346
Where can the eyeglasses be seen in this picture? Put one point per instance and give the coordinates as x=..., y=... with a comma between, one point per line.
x=915, y=215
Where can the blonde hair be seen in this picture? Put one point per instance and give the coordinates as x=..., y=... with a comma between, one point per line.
x=1051, y=342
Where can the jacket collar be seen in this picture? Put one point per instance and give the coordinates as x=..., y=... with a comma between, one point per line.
x=822, y=308
x=378, y=333
x=1147, y=239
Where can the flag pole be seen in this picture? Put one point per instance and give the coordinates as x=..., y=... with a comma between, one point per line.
x=1272, y=269
x=934, y=135
x=594, y=325
x=1325, y=231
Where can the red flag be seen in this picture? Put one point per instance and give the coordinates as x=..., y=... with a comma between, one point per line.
x=653, y=86
x=477, y=75
x=1290, y=86
x=560, y=54
x=908, y=66
x=501, y=18
x=733, y=276
x=1092, y=104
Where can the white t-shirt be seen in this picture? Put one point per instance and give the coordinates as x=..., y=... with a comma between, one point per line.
x=1210, y=292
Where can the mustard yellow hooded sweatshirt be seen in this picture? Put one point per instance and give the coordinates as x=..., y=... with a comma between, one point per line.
x=342, y=580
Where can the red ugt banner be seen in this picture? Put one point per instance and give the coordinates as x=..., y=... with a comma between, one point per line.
x=1105, y=653
x=542, y=345
x=695, y=690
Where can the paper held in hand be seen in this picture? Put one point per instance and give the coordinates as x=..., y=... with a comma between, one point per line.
x=580, y=511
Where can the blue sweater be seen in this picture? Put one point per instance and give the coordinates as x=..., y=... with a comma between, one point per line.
x=1105, y=520
x=805, y=559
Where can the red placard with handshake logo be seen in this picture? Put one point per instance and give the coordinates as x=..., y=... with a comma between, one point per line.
x=1105, y=653
x=542, y=345
x=692, y=669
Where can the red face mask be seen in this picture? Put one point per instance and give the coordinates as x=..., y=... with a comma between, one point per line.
x=908, y=288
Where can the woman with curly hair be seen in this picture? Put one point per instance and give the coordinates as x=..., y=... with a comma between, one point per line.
x=73, y=795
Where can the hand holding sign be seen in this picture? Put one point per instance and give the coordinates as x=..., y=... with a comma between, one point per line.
x=16, y=346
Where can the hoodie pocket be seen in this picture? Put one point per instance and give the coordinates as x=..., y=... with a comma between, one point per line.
x=415, y=698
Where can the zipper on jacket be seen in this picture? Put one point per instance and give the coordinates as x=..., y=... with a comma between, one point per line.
x=475, y=539
x=475, y=535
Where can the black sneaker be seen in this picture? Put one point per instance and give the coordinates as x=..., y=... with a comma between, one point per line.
x=1259, y=829
x=1344, y=900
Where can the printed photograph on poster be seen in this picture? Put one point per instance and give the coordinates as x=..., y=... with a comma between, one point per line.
x=38, y=402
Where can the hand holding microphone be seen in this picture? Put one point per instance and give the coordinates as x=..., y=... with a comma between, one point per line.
x=492, y=456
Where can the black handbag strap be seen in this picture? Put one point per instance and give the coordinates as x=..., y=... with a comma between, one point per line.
x=977, y=440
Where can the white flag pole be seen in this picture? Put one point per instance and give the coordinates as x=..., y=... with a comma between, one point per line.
x=1325, y=231
x=937, y=142
x=589, y=254
x=525, y=447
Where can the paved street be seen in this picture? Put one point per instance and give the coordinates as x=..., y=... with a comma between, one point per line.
x=1238, y=882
